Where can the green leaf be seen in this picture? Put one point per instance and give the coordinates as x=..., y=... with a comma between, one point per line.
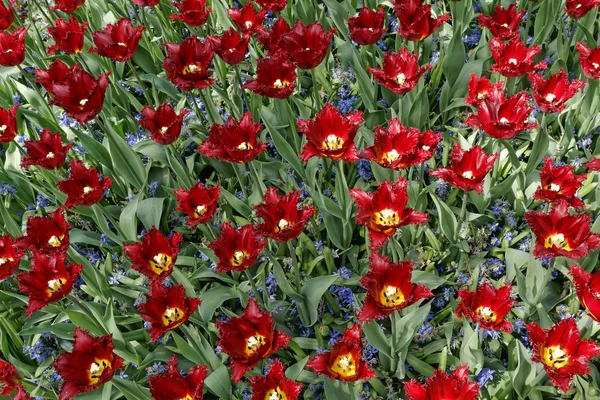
x=213, y=299
x=454, y=59
x=131, y=390
x=125, y=160
x=293, y=371
x=312, y=291
x=447, y=219
x=219, y=383
x=150, y=211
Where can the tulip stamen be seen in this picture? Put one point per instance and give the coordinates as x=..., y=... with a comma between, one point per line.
x=550, y=97
x=282, y=225
x=390, y=156
x=253, y=343
x=87, y=190
x=426, y=148
x=275, y=394
x=391, y=296
x=400, y=78
x=387, y=217
x=172, y=315
x=55, y=284
x=122, y=44
x=345, y=365
x=513, y=61
x=482, y=95
x=245, y=146
x=55, y=241
x=248, y=24
x=3, y=128
x=187, y=397
x=553, y=187
x=160, y=263
x=4, y=260
x=239, y=257
x=83, y=102
x=97, y=369
x=50, y=156
x=200, y=210
x=486, y=314
x=332, y=142
x=164, y=130
x=278, y=84
x=191, y=68
x=558, y=240
x=468, y=175
x=555, y=356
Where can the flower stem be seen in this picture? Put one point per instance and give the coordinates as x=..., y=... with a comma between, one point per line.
x=295, y=264
x=244, y=98
x=139, y=81
x=463, y=210
x=253, y=285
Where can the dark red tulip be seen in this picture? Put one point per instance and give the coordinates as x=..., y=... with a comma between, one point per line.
x=46, y=235
x=199, y=203
x=275, y=385
x=155, y=255
x=57, y=73
x=117, y=41
x=163, y=123
x=399, y=147
x=272, y=39
x=84, y=187
x=561, y=351
x=415, y=20
x=487, y=306
x=559, y=183
x=552, y=94
x=514, y=58
x=384, y=210
x=187, y=63
x=22, y=394
x=467, y=168
x=589, y=60
x=12, y=47
x=389, y=288
x=146, y=3
x=192, y=12
x=90, y=364
x=235, y=141
x=68, y=36
x=9, y=377
x=504, y=22
x=247, y=19
x=344, y=362
x=331, y=134
x=273, y=6
x=275, y=78
x=8, y=124
x=173, y=385
x=67, y=6
x=480, y=89
x=367, y=26
x=48, y=152
x=559, y=233
x=593, y=164
x=249, y=338
x=283, y=218
x=400, y=71
x=577, y=9
x=7, y=15
x=587, y=287
x=454, y=385
x=307, y=45
x=166, y=308
x=231, y=46
x=10, y=257
x=49, y=280
x=237, y=249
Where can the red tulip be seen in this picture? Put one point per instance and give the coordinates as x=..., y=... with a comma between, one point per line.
x=559, y=233
x=577, y=9
x=283, y=219
x=389, y=288
x=367, y=26
x=117, y=41
x=22, y=394
x=272, y=40
x=307, y=45
x=89, y=365
x=514, y=58
x=344, y=362
x=590, y=60
x=236, y=141
x=384, y=210
x=173, y=385
x=68, y=36
x=480, y=89
x=8, y=124
x=46, y=235
x=237, y=249
x=400, y=71
x=399, y=147
x=57, y=73
x=7, y=15
x=449, y=386
x=415, y=19
x=331, y=134
x=249, y=338
x=551, y=94
x=12, y=47
x=163, y=123
x=67, y=6
x=155, y=255
x=192, y=12
x=9, y=377
x=49, y=280
x=587, y=287
x=467, y=168
x=231, y=46
x=166, y=308
x=10, y=257
x=275, y=78
x=274, y=385
x=487, y=306
x=199, y=203
x=146, y=3
x=559, y=183
x=187, y=63
x=593, y=164
x=273, y=6
x=84, y=186
x=561, y=351
x=247, y=19
x=48, y=152
x=504, y=22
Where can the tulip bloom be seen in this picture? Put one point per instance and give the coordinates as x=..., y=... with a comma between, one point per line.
x=487, y=306
x=587, y=287
x=163, y=123
x=187, y=63
x=467, y=168
x=173, y=385
x=283, y=219
x=192, y=12
x=593, y=164
x=344, y=362
x=399, y=147
x=272, y=40
x=48, y=152
x=199, y=203
x=235, y=141
x=480, y=89
x=237, y=249
x=331, y=134
x=10, y=257
x=384, y=210
x=454, y=385
x=561, y=351
x=275, y=78
x=231, y=46
x=589, y=60
x=247, y=19
x=155, y=255
x=146, y=3
x=389, y=288
x=551, y=94
x=7, y=15
x=89, y=365
x=514, y=58
x=49, y=280
x=68, y=36
x=8, y=124
x=559, y=233
x=46, y=235
x=12, y=47
x=9, y=377
x=307, y=45
x=166, y=309
x=84, y=186
x=504, y=22
x=249, y=338
x=559, y=183
x=67, y=6
x=400, y=71
x=577, y=9
x=273, y=6
x=415, y=19
x=117, y=41
x=367, y=26
x=274, y=385
x=22, y=394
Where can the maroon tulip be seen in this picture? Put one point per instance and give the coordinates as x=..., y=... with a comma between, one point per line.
x=237, y=249
x=67, y=6
x=10, y=257
x=273, y=6
x=163, y=123
x=577, y=9
x=415, y=19
x=187, y=63
x=192, y=12
x=68, y=36
x=590, y=60
x=231, y=46
x=514, y=58
x=8, y=124
x=552, y=94
x=84, y=186
x=559, y=183
x=199, y=203
x=9, y=377
x=504, y=22
x=12, y=47
x=48, y=152
x=46, y=235
x=275, y=385
x=367, y=27
x=479, y=90
x=272, y=40
x=275, y=78
x=307, y=45
x=247, y=19
x=117, y=41
x=7, y=15
x=173, y=385
x=400, y=71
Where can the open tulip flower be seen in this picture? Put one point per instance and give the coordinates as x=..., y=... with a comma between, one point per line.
x=231, y=46
x=504, y=22
x=117, y=41
x=307, y=45
x=514, y=58
x=480, y=90
x=367, y=27
x=199, y=203
x=8, y=119
x=272, y=39
x=48, y=152
x=9, y=377
x=578, y=9
x=589, y=60
x=487, y=306
x=10, y=257
x=452, y=386
x=7, y=15
x=275, y=78
x=559, y=183
x=187, y=64
x=174, y=385
x=275, y=385
x=283, y=217
x=12, y=47
x=46, y=235
x=155, y=255
x=237, y=249
x=400, y=71
x=416, y=19
x=164, y=124
x=551, y=94
x=68, y=35
x=192, y=12
x=587, y=286
x=84, y=186
x=247, y=19
x=68, y=6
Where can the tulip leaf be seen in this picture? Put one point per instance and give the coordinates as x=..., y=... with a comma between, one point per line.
x=312, y=291
x=213, y=299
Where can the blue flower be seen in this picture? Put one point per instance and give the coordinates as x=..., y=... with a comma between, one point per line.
x=484, y=376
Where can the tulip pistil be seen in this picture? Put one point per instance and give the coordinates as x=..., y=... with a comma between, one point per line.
x=279, y=84
x=558, y=240
x=172, y=315
x=387, y=217
x=55, y=284
x=486, y=314
x=275, y=394
x=199, y=211
x=332, y=142
x=190, y=69
x=97, y=369
x=4, y=260
x=55, y=241
x=345, y=365
x=390, y=156
x=253, y=343
x=391, y=296
x=555, y=356
x=238, y=258
x=160, y=263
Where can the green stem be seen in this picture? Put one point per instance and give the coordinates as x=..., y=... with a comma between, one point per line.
x=240, y=180
x=261, y=184
x=463, y=210
x=295, y=264
x=139, y=80
x=316, y=89
x=244, y=98
x=253, y=284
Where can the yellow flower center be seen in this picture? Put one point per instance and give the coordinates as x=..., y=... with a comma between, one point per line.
x=187, y=397
x=245, y=146
x=391, y=296
x=332, y=142
x=4, y=260
x=400, y=78
x=390, y=156
x=164, y=130
x=54, y=285
x=481, y=95
x=200, y=210
x=558, y=240
x=160, y=263
x=486, y=314
x=189, y=69
x=96, y=369
x=3, y=128
x=468, y=175
x=345, y=365
x=172, y=315
x=248, y=24
x=55, y=241
x=387, y=217
x=253, y=343
x=238, y=258
x=278, y=84
x=83, y=102
x=275, y=394
x=282, y=225
x=550, y=97
x=554, y=356
x=553, y=187
x=87, y=189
